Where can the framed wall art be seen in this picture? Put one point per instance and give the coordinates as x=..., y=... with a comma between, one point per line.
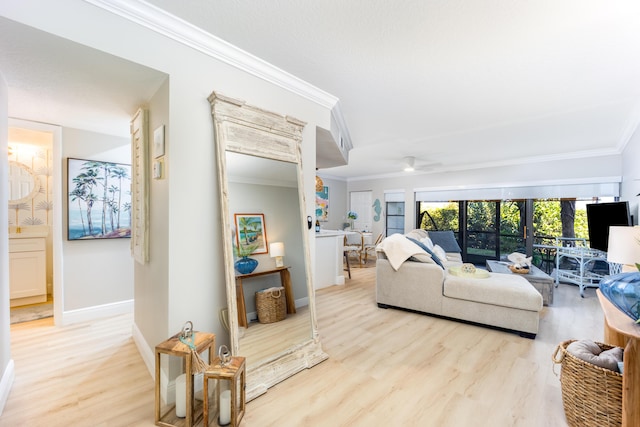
x=322, y=204
x=251, y=233
x=99, y=204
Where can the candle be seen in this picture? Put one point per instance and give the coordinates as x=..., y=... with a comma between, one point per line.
x=225, y=407
x=181, y=396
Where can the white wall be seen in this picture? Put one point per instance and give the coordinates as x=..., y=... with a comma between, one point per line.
x=6, y=364
x=151, y=294
x=95, y=272
x=631, y=176
x=193, y=243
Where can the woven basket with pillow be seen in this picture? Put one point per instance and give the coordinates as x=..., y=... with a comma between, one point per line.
x=591, y=394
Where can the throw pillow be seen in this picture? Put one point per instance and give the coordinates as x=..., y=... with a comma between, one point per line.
x=427, y=242
x=424, y=258
x=446, y=240
x=429, y=251
x=440, y=253
x=591, y=352
x=417, y=234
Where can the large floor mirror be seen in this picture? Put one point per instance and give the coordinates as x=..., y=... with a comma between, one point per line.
x=260, y=176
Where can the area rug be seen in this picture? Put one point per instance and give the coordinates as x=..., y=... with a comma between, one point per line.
x=33, y=312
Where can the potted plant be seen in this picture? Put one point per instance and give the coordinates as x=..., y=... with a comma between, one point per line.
x=352, y=216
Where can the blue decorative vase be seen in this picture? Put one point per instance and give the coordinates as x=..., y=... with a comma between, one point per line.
x=623, y=290
x=246, y=265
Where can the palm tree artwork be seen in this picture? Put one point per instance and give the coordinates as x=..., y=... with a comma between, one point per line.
x=99, y=200
x=251, y=234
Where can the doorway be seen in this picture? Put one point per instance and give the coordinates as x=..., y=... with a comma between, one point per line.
x=34, y=227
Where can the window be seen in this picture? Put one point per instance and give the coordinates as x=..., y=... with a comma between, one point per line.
x=395, y=218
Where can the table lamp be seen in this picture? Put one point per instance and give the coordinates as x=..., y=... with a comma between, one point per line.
x=623, y=248
x=276, y=250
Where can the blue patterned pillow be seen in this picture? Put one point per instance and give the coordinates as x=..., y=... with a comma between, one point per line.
x=429, y=251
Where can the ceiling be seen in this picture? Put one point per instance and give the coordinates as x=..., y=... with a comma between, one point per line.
x=455, y=84
x=60, y=82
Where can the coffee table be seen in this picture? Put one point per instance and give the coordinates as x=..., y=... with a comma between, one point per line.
x=538, y=278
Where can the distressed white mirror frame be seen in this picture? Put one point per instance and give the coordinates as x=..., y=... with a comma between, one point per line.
x=245, y=129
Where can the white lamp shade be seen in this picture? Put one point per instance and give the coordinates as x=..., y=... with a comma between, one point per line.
x=276, y=249
x=624, y=245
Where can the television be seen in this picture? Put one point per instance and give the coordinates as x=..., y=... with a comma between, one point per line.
x=600, y=216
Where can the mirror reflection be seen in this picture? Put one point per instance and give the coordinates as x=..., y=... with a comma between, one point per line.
x=23, y=183
x=260, y=180
x=268, y=189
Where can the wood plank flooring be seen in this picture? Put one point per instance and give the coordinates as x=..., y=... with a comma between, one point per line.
x=386, y=367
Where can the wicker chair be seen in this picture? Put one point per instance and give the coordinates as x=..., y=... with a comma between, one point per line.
x=370, y=249
x=352, y=247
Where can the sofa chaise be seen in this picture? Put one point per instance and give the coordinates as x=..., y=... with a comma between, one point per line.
x=410, y=275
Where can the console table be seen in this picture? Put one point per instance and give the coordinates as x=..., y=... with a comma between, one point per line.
x=620, y=330
x=285, y=279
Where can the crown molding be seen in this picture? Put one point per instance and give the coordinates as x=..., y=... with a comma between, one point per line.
x=162, y=22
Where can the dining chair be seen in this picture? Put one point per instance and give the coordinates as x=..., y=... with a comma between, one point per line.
x=371, y=248
x=353, y=245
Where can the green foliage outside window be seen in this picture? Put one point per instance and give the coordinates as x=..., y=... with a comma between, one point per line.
x=481, y=218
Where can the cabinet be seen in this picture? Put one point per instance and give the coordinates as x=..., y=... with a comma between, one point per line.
x=27, y=270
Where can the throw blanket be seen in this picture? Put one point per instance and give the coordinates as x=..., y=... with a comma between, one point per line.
x=398, y=249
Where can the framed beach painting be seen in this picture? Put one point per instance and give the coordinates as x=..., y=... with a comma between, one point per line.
x=251, y=233
x=99, y=203
x=322, y=204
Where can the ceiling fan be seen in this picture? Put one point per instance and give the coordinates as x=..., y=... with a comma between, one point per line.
x=409, y=164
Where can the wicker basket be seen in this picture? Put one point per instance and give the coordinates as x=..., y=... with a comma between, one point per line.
x=271, y=305
x=591, y=395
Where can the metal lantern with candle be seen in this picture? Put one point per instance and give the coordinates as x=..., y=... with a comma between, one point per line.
x=228, y=402
x=276, y=249
x=174, y=355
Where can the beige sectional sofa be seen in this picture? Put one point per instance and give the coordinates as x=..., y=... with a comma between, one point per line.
x=499, y=300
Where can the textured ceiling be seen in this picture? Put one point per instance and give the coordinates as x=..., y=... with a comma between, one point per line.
x=60, y=82
x=456, y=83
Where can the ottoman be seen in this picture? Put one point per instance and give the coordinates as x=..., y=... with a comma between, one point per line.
x=509, y=302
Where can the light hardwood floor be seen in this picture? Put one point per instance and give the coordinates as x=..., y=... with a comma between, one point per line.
x=386, y=367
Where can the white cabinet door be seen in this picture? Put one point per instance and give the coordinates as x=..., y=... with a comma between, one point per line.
x=27, y=271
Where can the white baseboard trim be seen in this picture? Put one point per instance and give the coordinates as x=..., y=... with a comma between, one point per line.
x=5, y=384
x=145, y=351
x=96, y=312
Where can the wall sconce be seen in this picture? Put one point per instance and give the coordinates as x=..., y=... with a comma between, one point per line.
x=624, y=248
x=276, y=249
x=319, y=183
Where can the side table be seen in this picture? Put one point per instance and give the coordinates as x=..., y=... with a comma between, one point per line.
x=285, y=279
x=620, y=330
x=174, y=347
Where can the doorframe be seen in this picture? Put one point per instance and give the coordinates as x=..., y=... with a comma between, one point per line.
x=57, y=223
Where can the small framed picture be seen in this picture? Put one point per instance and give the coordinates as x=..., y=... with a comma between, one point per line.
x=251, y=234
x=158, y=142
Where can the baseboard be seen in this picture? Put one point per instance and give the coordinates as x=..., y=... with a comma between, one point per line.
x=147, y=354
x=96, y=312
x=5, y=384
